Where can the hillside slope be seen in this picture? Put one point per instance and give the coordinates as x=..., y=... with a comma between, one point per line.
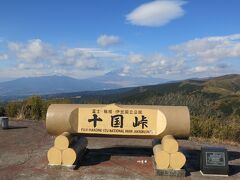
x=214, y=97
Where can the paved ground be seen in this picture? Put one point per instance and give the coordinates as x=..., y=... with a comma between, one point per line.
x=23, y=150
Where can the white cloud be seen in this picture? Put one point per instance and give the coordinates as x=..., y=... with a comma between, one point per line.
x=35, y=57
x=210, y=49
x=156, y=13
x=153, y=65
x=174, y=67
x=85, y=58
x=3, y=56
x=213, y=70
x=159, y=64
x=199, y=69
x=23, y=66
x=35, y=51
x=125, y=70
x=107, y=40
x=198, y=57
x=14, y=46
x=90, y=52
x=135, y=58
x=31, y=51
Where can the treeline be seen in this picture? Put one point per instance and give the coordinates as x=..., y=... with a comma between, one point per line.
x=210, y=118
x=33, y=108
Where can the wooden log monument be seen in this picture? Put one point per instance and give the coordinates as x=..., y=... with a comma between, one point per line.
x=71, y=122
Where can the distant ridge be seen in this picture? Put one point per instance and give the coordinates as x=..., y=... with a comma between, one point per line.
x=62, y=84
x=49, y=85
x=227, y=85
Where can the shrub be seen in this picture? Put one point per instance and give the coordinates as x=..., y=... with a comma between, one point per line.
x=32, y=108
x=12, y=109
x=2, y=111
x=218, y=129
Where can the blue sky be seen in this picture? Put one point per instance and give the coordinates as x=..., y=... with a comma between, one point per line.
x=171, y=39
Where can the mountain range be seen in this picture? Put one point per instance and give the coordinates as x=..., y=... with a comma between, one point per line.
x=62, y=84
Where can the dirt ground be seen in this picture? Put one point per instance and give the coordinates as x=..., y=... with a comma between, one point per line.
x=23, y=150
